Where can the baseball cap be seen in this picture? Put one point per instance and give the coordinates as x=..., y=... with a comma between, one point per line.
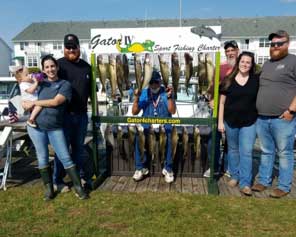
x=155, y=77
x=14, y=69
x=279, y=34
x=71, y=40
x=230, y=43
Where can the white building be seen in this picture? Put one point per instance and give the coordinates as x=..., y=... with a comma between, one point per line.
x=47, y=37
x=6, y=56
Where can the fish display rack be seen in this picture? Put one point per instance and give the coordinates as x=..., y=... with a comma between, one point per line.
x=121, y=160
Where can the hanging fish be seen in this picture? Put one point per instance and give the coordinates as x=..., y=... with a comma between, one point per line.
x=138, y=71
x=202, y=74
x=185, y=139
x=188, y=70
x=109, y=137
x=210, y=70
x=131, y=140
x=175, y=73
x=196, y=139
x=147, y=71
x=113, y=77
x=164, y=70
x=125, y=71
x=119, y=74
x=120, y=141
x=102, y=72
x=141, y=141
x=162, y=143
x=152, y=144
x=175, y=139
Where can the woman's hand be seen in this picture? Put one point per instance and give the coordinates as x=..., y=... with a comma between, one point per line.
x=27, y=104
x=221, y=127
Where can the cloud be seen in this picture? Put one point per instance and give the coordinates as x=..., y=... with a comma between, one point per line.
x=288, y=1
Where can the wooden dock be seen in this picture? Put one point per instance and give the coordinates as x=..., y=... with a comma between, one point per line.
x=25, y=173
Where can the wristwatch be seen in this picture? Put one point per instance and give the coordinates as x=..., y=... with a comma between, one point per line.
x=292, y=112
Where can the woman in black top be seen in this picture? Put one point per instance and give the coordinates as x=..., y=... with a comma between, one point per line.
x=237, y=117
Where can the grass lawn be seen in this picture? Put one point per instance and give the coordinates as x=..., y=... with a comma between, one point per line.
x=24, y=213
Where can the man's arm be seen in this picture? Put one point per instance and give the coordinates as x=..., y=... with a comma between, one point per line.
x=290, y=112
x=171, y=102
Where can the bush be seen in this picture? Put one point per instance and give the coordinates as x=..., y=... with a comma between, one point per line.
x=34, y=69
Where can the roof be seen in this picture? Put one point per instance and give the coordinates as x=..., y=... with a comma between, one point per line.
x=231, y=27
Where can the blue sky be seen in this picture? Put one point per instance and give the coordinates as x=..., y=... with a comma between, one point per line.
x=15, y=15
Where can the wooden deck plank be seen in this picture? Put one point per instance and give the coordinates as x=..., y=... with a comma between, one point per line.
x=142, y=185
x=153, y=184
x=121, y=183
x=111, y=183
x=101, y=187
x=131, y=185
x=198, y=186
x=222, y=188
x=205, y=185
x=187, y=185
x=176, y=186
x=163, y=186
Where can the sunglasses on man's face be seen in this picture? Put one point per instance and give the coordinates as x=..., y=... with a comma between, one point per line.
x=71, y=47
x=278, y=44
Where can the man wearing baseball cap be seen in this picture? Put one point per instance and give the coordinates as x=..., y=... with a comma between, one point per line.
x=155, y=101
x=78, y=72
x=276, y=123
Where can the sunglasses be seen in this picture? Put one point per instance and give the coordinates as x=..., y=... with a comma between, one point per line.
x=71, y=47
x=277, y=44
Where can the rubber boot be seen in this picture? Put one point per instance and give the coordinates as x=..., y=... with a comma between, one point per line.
x=48, y=184
x=72, y=172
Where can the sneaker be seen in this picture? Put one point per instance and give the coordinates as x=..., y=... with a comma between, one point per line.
x=31, y=123
x=61, y=188
x=207, y=174
x=168, y=176
x=139, y=174
x=227, y=174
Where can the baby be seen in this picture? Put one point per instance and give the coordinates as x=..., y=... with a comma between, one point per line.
x=28, y=85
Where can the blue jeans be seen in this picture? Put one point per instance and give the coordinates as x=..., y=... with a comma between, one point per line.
x=56, y=138
x=276, y=135
x=168, y=164
x=75, y=128
x=240, y=149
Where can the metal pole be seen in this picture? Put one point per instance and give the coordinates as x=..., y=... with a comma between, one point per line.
x=180, y=12
x=212, y=183
x=94, y=109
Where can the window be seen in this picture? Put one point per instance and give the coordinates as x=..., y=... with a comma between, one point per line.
x=23, y=45
x=57, y=45
x=32, y=61
x=264, y=43
x=5, y=89
x=262, y=59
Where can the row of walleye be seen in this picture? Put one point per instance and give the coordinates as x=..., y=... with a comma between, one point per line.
x=117, y=71
x=148, y=142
